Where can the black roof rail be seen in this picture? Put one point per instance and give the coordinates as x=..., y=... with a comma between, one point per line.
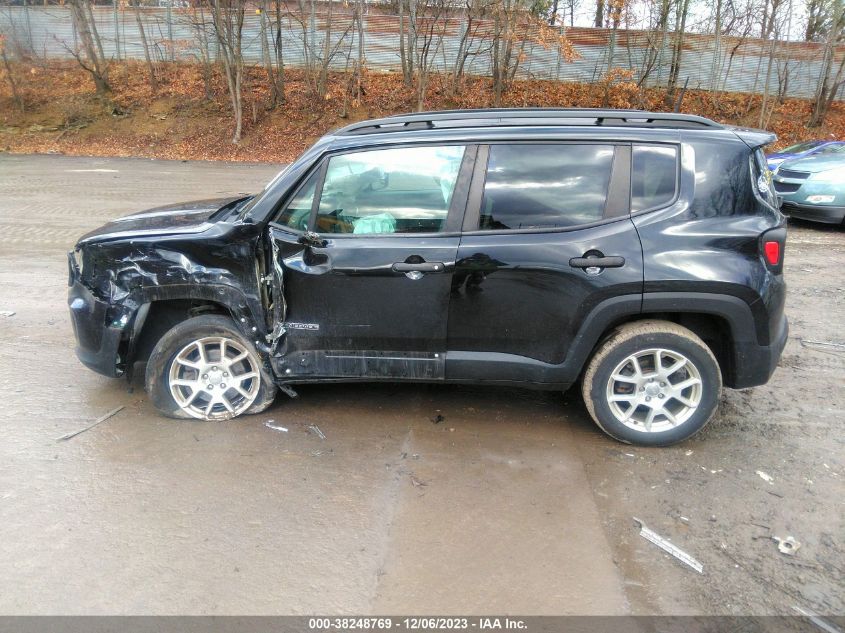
x=504, y=117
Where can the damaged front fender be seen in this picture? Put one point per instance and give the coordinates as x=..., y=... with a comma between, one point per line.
x=114, y=283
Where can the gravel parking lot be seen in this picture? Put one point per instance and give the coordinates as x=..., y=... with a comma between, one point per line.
x=514, y=502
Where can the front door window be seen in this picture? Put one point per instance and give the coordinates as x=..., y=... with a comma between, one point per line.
x=396, y=190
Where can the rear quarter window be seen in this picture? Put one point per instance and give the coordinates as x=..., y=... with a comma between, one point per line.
x=654, y=176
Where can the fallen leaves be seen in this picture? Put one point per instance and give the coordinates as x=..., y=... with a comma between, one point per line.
x=188, y=116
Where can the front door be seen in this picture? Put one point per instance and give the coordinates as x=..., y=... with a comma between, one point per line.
x=366, y=287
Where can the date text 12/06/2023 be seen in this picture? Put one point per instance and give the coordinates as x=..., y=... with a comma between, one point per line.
x=417, y=624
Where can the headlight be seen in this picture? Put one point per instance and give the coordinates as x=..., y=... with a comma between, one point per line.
x=836, y=175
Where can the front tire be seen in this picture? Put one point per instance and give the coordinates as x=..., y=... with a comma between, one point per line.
x=652, y=383
x=203, y=368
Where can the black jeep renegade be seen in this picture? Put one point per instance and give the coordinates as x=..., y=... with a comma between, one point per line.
x=638, y=253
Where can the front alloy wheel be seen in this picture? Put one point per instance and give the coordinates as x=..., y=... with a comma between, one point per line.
x=204, y=368
x=214, y=378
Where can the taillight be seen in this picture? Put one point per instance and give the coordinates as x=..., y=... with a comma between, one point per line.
x=772, y=244
x=772, y=251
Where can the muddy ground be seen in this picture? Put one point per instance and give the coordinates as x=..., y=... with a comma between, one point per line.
x=515, y=502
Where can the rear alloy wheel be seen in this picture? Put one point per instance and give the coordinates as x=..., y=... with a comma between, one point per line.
x=203, y=368
x=654, y=390
x=652, y=383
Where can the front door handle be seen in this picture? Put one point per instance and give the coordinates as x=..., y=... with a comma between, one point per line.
x=421, y=267
x=613, y=261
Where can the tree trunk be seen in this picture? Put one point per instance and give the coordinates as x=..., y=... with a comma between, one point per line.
x=15, y=95
x=359, y=71
x=322, y=82
x=278, y=47
x=147, y=56
x=677, y=50
x=96, y=64
x=497, y=72
x=762, y=118
x=268, y=62
x=228, y=24
x=599, y=21
x=829, y=87
x=412, y=38
x=827, y=90
x=403, y=58
x=94, y=32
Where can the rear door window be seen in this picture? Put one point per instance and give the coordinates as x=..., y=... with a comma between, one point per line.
x=545, y=186
x=654, y=176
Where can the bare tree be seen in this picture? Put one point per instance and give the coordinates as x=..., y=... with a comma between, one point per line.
x=358, y=70
x=147, y=57
x=569, y=6
x=516, y=23
x=9, y=76
x=616, y=7
x=91, y=56
x=227, y=18
x=681, y=13
x=275, y=73
x=599, y=19
x=279, y=49
x=429, y=29
x=655, y=38
x=819, y=16
x=203, y=30
x=470, y=44
x=831, y=79
x=318, y=59
x=407, y=39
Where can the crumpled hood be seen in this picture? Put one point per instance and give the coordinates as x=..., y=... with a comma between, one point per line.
x=186, y=217
x=816, y=163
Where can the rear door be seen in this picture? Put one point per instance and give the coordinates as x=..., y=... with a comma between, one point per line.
x=547, y=237
x=367, y=287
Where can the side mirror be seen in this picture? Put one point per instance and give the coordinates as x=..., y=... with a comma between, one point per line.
x=310, y=238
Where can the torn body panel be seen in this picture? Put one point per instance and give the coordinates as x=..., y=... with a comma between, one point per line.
x=115, y=281
x=350, y=313
x=278, y=305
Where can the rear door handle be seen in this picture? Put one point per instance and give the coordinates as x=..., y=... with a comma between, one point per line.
x=422, y=267
x=613, y=261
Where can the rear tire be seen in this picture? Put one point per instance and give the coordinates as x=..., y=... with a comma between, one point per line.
x=652, y=383
x=203, y=368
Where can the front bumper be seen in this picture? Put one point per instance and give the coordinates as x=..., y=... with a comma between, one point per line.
x=814, y=212
x=98, y=337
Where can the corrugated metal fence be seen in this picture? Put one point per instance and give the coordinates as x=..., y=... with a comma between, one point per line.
x=707, y=62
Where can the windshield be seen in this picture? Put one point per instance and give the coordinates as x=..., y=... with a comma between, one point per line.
x=800, y=147
x=245, y=208
x=835, y=148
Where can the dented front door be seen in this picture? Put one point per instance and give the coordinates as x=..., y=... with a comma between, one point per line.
x=370, y=307
x=367, y=288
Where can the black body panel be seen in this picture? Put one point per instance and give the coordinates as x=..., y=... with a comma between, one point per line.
x=499, y=306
